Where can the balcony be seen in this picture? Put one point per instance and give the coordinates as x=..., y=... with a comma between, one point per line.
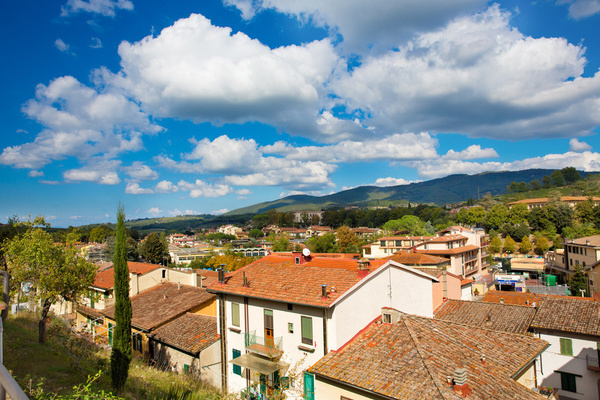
x=271, y=348
x=592, y=363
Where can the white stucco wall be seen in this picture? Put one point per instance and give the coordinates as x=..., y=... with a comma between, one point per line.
x=326, y=390
x=297, y=358
x=393, y=287
x=551, y=361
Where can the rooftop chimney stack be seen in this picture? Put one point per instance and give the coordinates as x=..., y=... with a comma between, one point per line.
x=324, y=291
x=460, y=376
x=245, y=281
x=221, y=274
x=363, y=268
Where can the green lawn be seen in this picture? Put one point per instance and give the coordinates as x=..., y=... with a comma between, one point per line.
x=66, y=361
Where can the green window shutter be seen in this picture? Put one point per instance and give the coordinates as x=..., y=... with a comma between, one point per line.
x=235, y=314
x=186, y=368
x=566, y=347
x=236, y=368
x=567, y=382
x=307, y=330
x=309, y=386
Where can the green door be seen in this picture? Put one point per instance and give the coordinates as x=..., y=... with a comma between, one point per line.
x=309, y=386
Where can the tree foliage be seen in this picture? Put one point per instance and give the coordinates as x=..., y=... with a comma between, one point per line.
x=578, y=283
x=53, y=271
x=495, y=245
x=541, y=245
x=121, y=347
x=322, y=244
x=347, y=242
x=154, y=249
x=525, y=245
x=497, y=216
x=509, y=245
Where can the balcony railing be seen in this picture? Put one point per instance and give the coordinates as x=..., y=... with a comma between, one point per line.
x=269, y=347
x=592, y=363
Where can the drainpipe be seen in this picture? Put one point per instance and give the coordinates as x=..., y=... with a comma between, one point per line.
x=223, y=333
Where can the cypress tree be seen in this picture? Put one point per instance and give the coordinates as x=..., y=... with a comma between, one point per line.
x=121, y=347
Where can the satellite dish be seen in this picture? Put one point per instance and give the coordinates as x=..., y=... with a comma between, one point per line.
x=306, y=252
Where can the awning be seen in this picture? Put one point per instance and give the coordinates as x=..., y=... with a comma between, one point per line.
x=258, y=364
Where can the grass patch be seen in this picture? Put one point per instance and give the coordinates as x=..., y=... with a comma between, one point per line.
x=66, y=361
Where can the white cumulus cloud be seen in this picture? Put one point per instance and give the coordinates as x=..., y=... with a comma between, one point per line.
x=134, y=188
x=471, y=153
x=61, y=45
x=576, y=145
x=139, y=171
x=581, y=8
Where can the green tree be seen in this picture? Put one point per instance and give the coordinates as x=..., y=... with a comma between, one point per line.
x=518, y=213
x=54, y=271
x=347, y=241
x=546, y=182
x=578, y=283
x=409, y=223
x=525, y=245
x=541, y=245
x=584, y=211
x=255, y=233
x=535, y=184
x=322, y=244
x=561, y=216
x=570, y=174
x=282, y=243
x=153, y=249
x=509, y=245
x=120, y=356
x=495, y=245
x=497, y=216
x=557, y=178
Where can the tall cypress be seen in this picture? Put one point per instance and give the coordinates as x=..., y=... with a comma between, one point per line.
x=121, y=348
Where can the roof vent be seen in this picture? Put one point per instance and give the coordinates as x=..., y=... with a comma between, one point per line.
x=178, y=285
x=324, y=291
x=460, y=376
x=501, y=300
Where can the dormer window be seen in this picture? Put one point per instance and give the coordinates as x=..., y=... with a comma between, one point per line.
x=297, y=260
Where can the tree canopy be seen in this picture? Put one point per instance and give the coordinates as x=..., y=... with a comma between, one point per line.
x=53, y=271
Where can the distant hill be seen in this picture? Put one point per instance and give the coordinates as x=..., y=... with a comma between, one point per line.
x=450, y=189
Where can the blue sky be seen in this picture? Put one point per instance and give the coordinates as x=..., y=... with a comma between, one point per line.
x=208, y=106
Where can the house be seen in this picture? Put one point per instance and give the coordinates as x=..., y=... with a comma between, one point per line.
x=572, y=327
x=401, y=356
x=593, y=273
x=449, y=285
x=576, y=253
x=142, y=276
x=317, y=230
x=229, y=230
x=494, y=316
x=388, y=245
x=542, y=201
x=307, y=215
x=285, y=311
x=188, y=344
x=365, y=233
x=158, y=306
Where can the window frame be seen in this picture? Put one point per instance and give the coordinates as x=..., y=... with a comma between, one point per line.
x=566, y=347
x=304, y=320
x=568, y=381
x=235, y=314
x=237, y=370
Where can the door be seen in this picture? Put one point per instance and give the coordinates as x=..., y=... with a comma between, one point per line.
x=269, y=328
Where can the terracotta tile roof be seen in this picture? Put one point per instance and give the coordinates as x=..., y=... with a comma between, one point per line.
x=497, y=317
x=191, y=333
x=568, y=314
x=105, y=279
x=514, y=298
x=161, y=303
x=545, y=200
x=411, y=258
x=276, y=277
x=593, y=240
x=89, y=312
x=456, y=250
x=419, y=238
x=412, y=358
x=446, y=238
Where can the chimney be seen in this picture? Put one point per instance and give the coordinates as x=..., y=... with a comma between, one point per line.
x=194, y=278
x=324, y=291
x=363, y=268
x=134, y=282
x=221, y=274
x=460, y=376
x=244, y=280
x=587, y=242
x=178, y=285
x=501, y=300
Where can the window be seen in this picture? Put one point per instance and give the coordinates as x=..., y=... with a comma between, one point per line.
x=567, y=381
x=186, y=368
x=235, y=314
x=164, y=273
x=236, y=368
x=290, y=327
x=566, y=347
x=290, y=306
x=307, y=331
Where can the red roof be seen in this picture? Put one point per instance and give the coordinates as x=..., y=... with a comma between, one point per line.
x=105, y=279
x=277, y=277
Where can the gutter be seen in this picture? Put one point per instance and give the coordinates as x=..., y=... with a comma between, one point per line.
x=539, y=353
